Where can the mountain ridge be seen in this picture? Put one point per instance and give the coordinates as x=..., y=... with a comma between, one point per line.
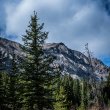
x=71, y=61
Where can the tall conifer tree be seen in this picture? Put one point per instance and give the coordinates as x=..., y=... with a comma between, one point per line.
x=38, y=73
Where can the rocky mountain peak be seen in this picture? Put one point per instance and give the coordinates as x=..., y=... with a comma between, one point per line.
x=71, y=61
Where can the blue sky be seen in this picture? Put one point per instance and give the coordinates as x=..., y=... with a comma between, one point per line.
x=74, y=22
x=106, y=60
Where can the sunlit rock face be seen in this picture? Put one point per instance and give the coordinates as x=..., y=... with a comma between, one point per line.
x=75, y=63
x=7, y=48
x=71, y=61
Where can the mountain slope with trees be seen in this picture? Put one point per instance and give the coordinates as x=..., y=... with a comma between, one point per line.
x=39, y=76
x=71, y=61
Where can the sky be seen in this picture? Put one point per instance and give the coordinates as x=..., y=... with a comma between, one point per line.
x=73, y=22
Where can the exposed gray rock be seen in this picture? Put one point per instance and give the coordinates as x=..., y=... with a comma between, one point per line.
x=71, y=61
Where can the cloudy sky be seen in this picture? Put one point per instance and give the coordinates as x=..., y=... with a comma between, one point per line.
x=73, y=22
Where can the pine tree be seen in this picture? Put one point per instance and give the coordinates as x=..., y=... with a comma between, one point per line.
x=84, y=98
x=61, y=99
x=12, y=85
x=3, y=84
x=77, y=93
x=2, y=93
x=37, y=71
x=106, y=90
x=69, y=94
x=60, y=94
x=108, y=80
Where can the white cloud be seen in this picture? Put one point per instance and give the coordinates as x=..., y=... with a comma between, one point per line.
x=18, y=17
x=74, y=22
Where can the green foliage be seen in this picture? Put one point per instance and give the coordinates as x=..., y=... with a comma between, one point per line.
x=2, y=90
x=68, y=95
x=37, y=83
x=60, y=96
x=12, y=86
x=37, y=71
x=85, y=94
x=108, y=80
x=106, y=91
x=77, y=92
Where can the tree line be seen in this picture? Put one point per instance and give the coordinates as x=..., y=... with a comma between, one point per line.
x=36, y=83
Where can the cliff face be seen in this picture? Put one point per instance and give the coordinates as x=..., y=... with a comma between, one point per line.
x=7, y=48
x=75, y=63
x=71, y=61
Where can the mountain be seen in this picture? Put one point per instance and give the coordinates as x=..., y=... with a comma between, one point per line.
x=71, y=61
x=7, y=48
x=75, y=63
